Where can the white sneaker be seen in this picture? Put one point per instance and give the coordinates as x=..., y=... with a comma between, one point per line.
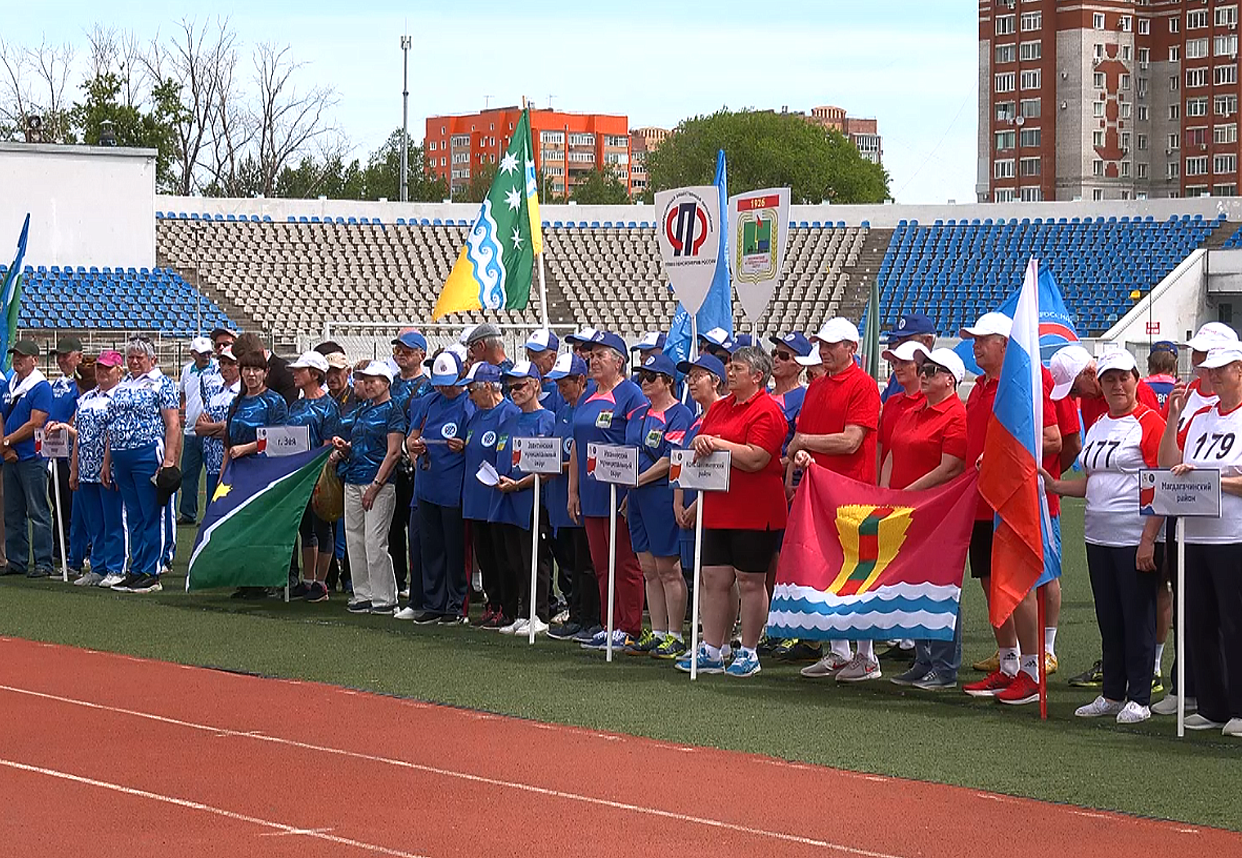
x=1198, y=722
x=860, y=669
x=1233, y=728
x=110, y=580
x=540, y=627
x=1099, y=707
x=517, y=627
x=826, y=667
x=1133, y=713
x=88, y=579
x=406, y=613
x=1168, y=706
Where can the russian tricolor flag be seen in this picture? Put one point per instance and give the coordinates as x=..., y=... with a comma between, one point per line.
x=1009, y=473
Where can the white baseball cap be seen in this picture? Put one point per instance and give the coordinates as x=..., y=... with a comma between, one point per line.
x=836, y=330
x=1066, y=365
x=465, y=334
x=1219, y=357
x=907, y=351
x=201, y=345
x=311, y=360
x=542, y=340
x=989, y=324
x=1213, y=335
x=376, y=369
x=1115, y=359
x=948, y=359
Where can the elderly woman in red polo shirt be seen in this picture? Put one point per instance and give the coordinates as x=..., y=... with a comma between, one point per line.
x=741, y=527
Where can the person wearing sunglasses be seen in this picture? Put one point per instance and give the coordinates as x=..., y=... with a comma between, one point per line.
x=655, y=429
x=927, y=449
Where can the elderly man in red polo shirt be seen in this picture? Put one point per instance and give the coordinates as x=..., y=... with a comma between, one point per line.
x=837, y=430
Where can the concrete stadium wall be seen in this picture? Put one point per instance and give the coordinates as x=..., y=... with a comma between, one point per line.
x=88, y=205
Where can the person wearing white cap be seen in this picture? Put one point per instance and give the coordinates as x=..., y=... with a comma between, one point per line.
x=212, y=424
x=836, y=429
x=199, y=379
x=1074, y=372
x=905, y=360
x=541, y=350
x=927, y=449
x=369, y=457
x=317, y=412
x=1209, y=439
x=1122, y=553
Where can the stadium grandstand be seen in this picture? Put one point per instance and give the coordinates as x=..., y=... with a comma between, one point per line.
x=297, y=269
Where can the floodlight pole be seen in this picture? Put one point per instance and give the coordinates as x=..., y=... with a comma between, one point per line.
x=405, y=118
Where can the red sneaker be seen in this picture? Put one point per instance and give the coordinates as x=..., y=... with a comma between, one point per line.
x=990, y=687
x=1023, y=689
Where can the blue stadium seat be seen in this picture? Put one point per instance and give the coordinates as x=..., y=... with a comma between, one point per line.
x=401, y=222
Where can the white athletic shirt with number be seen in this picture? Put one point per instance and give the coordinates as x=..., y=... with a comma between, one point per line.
x=1116, y=449
x=1195, y=402
x=1212, y=440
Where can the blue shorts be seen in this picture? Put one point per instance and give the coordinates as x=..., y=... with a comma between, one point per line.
x=649, y=513
x=1052, y=568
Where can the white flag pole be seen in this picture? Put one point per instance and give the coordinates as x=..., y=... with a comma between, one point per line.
x=60, y=523
x=543, y=294
x=612, y=561
x=1182, y=649
x=534, y=559
x=698, y=572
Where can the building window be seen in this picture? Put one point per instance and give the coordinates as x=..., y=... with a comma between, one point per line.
x=1097, y=51
x=1144, y=27
x=1029, y=137
x=1173, y=83
x=1225, y=191
x=1097, y=167
x=1004, y=25
x=1175, y=141
x=1125, y=81
x=1125, y=140
x=1144, y=58
x=1196, y=77
x=1030, y=108
x=1125, y=109
x=1004, y=140
x=1196, y=49
x=1140, y=171
x=1031, y=195
x=1004, y=169
x=1196, y=190
x=1196, y=107
x=1126, y=23
x=1225, y=134
x=1226, y=16
x=1225, y=105
x=1225, y=164
x=556, y=138
x=1005, y=54
x=1004, y=111
x=1097, y=80
x=443, y=161
x=1226, y=74
x=1097, y=138
x=1003, y=195
x=1005, y=82
x=1097, y=20
x=1142, y=142
x=1141, y=89
x=1031, y=21
x=1197, y=19
x=1171, y=170
x=616, y=141
x=1028, y=167
x=1097, y=193
x=1225, y=46
x=1175, y=53
x=1097, y=109
x=1030, y=79
x=1174, y=25
x=1196, y=137
x=1174, y=112
x=1125, y=169
x=1197, y=166
x=1031, y=50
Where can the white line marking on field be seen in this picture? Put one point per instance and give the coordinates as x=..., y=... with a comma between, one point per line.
x=316, y=833
x=465, y=776
x=295, y=831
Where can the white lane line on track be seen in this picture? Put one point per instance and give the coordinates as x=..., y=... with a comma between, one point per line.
x=279, y=828
x=465, y=776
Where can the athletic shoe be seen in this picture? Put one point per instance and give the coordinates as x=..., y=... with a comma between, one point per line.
x=489, y=614
x=186, y=521
x=704, y=663
x=826, y=667
x=403, y=593
x=111, y=580
x=911, y=676
x=386, y=610
x=793, y=649
x=996, y=682
x=645, y=645
x=39, y=572
x=988, y=665
x=599, y=640
x=127, y=582
x=564, y=631
x=1233, y=728
x=317, y=592
x=426, y=618
x=88, y=579
x=452, y=620
x=1099, y=707
x=936, y=681
x=1090, y=678
x=146, y=584
x=406, y=613
x=1133, y=713
x=767, y=645
x=669, y=648
x=744, y=665
x=586, y=635
x=1050, y=663
x=540, y=627
x=860, y=669
x=1157, y=683
x=1021, y=690
x=298, y=591
x=497, y=622
x=1198, y=722
x=362, y=606
x=560, y=615
x=620, y=640
x=1168, y=706
x=517, y=627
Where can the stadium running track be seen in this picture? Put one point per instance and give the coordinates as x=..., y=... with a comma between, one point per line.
x=124, y=756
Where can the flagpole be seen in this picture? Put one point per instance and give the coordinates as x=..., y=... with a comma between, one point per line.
x=534, y=551
x=1043, y=664
x=612, y=563
x=543, y=293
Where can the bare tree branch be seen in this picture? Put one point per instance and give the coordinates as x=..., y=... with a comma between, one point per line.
x=289, y=121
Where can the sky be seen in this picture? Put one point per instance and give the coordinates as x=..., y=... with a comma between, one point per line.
x=911, y=65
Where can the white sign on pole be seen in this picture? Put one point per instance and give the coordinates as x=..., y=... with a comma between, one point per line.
x=708, y=474
x=758, y=231
x=689, y=235
x=537, y=455
x=283, y=440
x=613, y=464
x=1193, y=494
x=52, y=446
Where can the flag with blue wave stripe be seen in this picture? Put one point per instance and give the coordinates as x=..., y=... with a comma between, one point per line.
x=11, y=297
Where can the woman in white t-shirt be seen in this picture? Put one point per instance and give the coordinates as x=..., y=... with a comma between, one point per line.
x=1211, y=438
x=1121, y=544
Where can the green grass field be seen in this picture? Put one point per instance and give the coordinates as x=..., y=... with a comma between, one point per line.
x=879, y=728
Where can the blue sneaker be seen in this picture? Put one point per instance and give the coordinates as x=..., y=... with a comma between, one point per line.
x=706, y=664
x=744, y=664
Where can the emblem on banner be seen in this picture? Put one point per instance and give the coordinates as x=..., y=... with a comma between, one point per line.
x=756, y=241
x=686, y=228
x=871, y=537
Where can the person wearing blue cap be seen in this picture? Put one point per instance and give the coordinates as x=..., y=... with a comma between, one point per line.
x=512, y=505
x=573, y=552
x=409, y=351
x=1162, y=370
x=541, y=349
x=437, y=423
x=650, y=343
x=910, y=328
x=654, y=429
x=718, y=343
x=492, y=410
x=787, y=390
x=602, y=418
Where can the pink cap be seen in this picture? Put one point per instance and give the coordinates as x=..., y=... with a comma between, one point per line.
x=110, y=358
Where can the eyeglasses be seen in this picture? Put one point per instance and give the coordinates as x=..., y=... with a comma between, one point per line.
x=647, y=377
x=781, y=355
x=930, y=369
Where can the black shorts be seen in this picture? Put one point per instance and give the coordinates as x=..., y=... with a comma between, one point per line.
x=981, y=550
x=744, y=550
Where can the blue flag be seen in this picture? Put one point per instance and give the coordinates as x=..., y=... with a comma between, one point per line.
x=11, y=298
x=1056, y=323
x=717, y=309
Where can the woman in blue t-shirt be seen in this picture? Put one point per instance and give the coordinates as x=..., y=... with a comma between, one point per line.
x=213, y=422
x=437, y=419
x=512, y=506
x=317, y=412
x=256, y=407
x=602, y=419
x=482, y=435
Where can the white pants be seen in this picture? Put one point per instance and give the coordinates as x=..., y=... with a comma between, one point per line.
x=366, y=539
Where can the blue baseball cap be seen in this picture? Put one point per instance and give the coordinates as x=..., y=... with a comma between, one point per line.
x=481, y=371
x=583, y=335
x=661, y=363
x=411, y=340
x=446, y=369
x=1164, y=346
x=542, y=341
x=566, y=365
x=711, y=363
x=650, y=340
x=911, y=325
x=795, y=341
x=524, y=369
x=742, y=341
x=610, y=340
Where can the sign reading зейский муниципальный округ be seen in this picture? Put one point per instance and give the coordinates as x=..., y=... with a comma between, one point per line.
x=537, y=455
x=1194, y=494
